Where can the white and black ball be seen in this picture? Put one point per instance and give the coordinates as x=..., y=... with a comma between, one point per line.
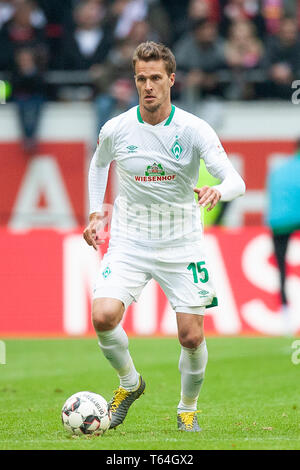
x=86, y=413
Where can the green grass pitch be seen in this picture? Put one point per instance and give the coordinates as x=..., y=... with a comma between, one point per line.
x=249, y=400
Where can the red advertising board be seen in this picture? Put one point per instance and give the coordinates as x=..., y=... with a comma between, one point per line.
x=47, y=271
x=50, y=189
x=46, y=280
x=65, y=163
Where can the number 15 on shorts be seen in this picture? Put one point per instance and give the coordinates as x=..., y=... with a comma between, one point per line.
x=200, y=273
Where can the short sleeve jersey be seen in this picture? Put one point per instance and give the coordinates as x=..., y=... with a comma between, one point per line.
x=158, y=167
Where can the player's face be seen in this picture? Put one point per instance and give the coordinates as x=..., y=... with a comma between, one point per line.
x=153, y=84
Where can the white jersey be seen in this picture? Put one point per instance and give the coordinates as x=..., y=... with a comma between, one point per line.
x=158, y=168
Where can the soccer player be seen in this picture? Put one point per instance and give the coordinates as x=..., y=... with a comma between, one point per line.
x=156, y=229
x=283, y=218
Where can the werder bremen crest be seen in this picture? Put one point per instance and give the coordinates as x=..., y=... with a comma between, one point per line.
x=106, y=272
x=155, y=169
x=176, y=149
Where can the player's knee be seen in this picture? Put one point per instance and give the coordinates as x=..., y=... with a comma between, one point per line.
x=106, y=315
x=191, y=339
x=103, y=320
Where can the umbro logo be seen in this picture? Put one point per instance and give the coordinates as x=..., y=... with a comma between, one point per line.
x=203, y=293
x=131, y=148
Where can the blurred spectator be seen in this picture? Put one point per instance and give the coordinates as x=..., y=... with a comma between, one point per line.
x=74, y=35
x=37, y=16
x=124, y=13
x=59, y=18
x=114, y=82
x=199, y=55
x=6, y=11
x=141, y=32
x=184, y=13
x=243, y=52
x=29, y=94
x=177, y=11
x=203, y=9
x=274, y=10
x=90, y=42
x=22, y=30
x=56, y=11
x=8, y=8
x=159, y=21
x=283, y=59
x=243, y=49
x=283, y=215
x=236, y=10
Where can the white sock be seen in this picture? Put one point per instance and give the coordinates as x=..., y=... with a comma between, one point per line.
x=192, y=364
x=114, y=345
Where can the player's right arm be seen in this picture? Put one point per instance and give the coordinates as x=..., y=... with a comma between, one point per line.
x=92, y=229
x=97, y=179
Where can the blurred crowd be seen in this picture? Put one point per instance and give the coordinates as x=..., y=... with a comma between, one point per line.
x=232, y=49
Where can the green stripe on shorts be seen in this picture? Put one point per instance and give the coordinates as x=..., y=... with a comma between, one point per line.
x=213, y=304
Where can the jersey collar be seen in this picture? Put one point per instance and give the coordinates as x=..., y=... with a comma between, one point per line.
x=168, y=121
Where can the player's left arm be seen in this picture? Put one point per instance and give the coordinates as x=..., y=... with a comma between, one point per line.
x=218, y=165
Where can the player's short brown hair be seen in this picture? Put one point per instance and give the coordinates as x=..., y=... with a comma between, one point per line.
x=150, y=50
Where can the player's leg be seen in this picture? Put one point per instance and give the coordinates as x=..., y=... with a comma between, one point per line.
x=122, y=278
x=107, y=314
x=113, y=341
x=280, y=242
x=184, y=276
x=192, y=364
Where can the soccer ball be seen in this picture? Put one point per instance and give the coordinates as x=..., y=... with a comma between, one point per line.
x=86, y=413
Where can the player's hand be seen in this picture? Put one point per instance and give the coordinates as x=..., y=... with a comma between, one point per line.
x=90, y=232
x=207, y=196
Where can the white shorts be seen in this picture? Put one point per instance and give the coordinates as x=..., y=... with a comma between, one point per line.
x=181, y=271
